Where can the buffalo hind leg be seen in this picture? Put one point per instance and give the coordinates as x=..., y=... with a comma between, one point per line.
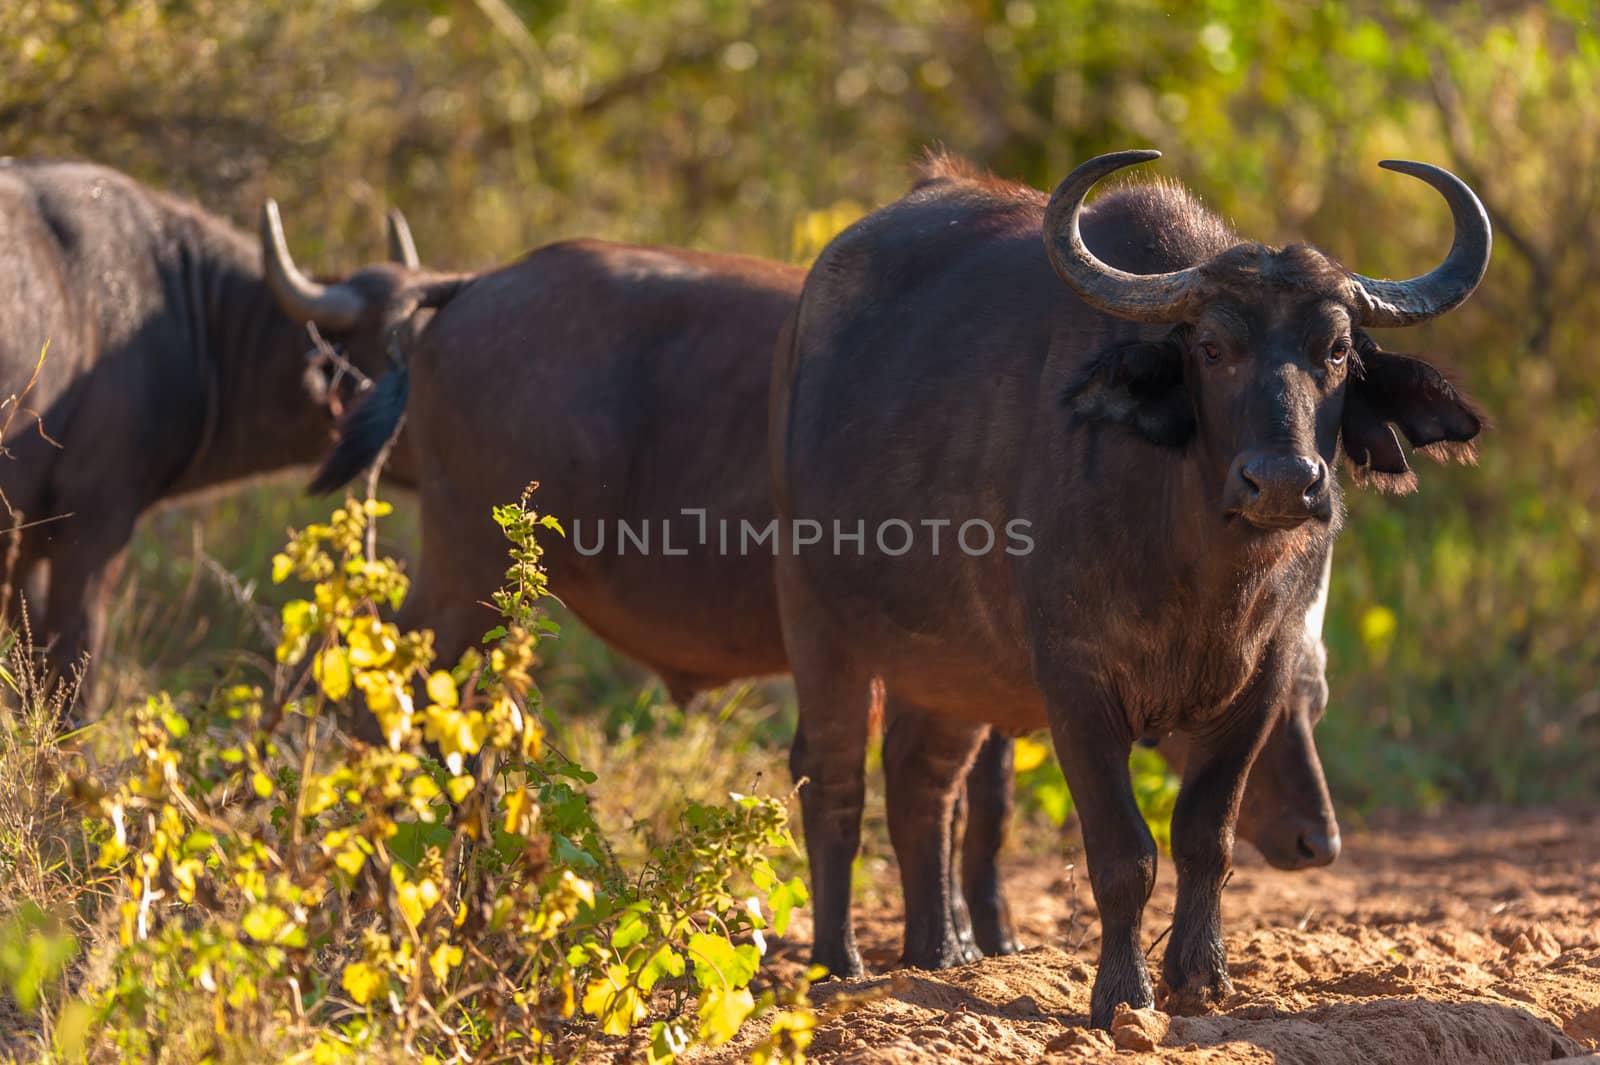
x=1195, y=969
x=960, y=915
x=925, y=758
x=989, y=800
x=829, y=753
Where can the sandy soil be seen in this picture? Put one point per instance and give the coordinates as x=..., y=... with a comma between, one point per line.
x=1472, y=937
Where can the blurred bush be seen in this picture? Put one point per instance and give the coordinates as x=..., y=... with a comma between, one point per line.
x=1465, y=656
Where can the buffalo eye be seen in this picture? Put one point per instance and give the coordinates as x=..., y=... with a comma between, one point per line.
x=1210, y=352
x=1339, y=352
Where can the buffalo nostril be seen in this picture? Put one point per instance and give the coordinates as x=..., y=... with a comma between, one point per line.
x=1317, y=847
x=1252, y=485
x=1318, y=485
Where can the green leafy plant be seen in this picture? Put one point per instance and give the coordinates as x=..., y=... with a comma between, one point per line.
x=445, y=889
x=1042, y=787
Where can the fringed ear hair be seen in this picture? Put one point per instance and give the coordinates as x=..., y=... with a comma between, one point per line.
x=1400, y=392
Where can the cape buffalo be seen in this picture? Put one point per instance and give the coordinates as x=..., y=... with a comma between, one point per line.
x=632, y=382
x=169, y=369
x=1140, y=462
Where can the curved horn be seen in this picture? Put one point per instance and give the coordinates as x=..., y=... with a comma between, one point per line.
x=333, y=306
x=1140, y=297
x=1394, y=303
x=402, y=247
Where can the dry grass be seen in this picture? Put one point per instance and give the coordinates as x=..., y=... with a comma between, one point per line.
x=44, y=866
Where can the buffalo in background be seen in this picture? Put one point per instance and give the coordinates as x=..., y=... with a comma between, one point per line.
x=632, y=383
x=170, y=369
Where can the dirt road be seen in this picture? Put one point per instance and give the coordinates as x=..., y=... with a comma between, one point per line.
x=1473, y=937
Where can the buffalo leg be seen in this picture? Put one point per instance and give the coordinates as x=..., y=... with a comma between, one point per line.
x=81, y=578
x=828, y=761
x=1195, y=969
x=959, y=913
x=925, y=759
x=1093, y=744
x=989, y=799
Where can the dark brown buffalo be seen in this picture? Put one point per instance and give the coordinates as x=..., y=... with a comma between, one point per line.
x=1166, y=437
x=632, y=382
x=170, y=370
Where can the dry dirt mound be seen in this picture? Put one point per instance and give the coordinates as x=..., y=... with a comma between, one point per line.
x=1468, y=938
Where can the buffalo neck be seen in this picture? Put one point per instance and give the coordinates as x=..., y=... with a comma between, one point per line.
x=1241, y=578
x=251, y=356
x=1186, y=603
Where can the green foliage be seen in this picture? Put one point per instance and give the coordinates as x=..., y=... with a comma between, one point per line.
x=34, y=948
x=458, y=901
x=1042, y=787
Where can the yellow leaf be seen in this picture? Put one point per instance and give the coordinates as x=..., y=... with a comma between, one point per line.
x=722, y=1011
x=522, y=813
x=577, y=886
x=442, y=960
x=616, y=1002
x=1028, y=754
x=350, y=859
x=364, y=982
x=414, y=898
x=73, y=1026
x=332, y=671
x=261, y=783
x=1378, y=627
x=442, y=690
x=424, y=789
x=459, y=787
x=282, y=566
x=263, y=921
x=372, y=643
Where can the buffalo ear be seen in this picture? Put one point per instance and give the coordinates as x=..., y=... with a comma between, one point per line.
x=1389, y=392
x=1139, y=386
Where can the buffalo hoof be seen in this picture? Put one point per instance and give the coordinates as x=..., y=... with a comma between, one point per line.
x=967, y=950
x=961, y=921
x=1118, y=984
x=1196, y=996
x=945, y=954
x=841, y=964
x=995, y=935
x=999, y=945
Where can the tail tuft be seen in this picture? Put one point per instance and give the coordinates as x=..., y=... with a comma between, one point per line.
x=363, y=432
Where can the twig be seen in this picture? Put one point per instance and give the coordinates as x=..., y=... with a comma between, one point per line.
x=324, y=352
x=1152, y=948
x=373, y=474
x=514, y=30
x=13, y=556
x=14, y=401
x=242, y=596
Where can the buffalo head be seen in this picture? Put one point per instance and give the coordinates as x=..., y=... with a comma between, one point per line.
x=1268, y=370
x=362, y=314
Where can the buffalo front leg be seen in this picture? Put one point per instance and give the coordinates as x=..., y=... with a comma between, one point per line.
x=82, y=573
x=1195, y=969
x=989, y=799
x=828, y=762
x=1093, y=743
x=925, y=758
